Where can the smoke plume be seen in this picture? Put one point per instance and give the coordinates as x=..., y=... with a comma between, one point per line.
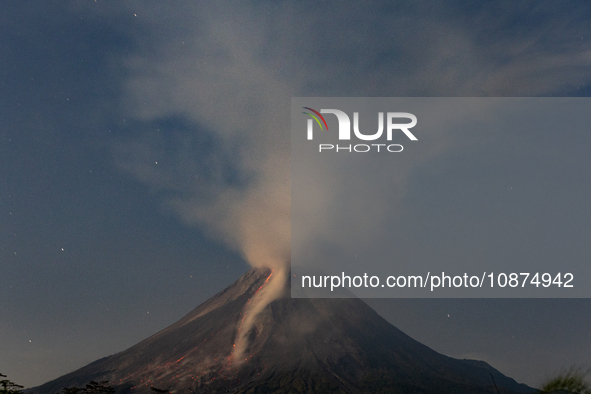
x=237, y=187
x=229, y=71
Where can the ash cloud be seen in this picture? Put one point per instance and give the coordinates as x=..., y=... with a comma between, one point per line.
x=232, y=69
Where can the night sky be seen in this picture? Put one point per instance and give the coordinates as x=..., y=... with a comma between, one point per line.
x=133, y=136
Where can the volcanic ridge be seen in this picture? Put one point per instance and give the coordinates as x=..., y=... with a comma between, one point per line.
x=294, y=346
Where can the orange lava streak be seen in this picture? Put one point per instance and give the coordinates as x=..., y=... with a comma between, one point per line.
x=231, y=357
x=249, y=300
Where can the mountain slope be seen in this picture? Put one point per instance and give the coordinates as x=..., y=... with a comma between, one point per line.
x=296, y=345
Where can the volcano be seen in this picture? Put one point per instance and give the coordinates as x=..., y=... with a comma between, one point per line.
x=295, y=346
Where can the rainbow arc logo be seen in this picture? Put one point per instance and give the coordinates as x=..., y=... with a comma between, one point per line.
x=315, y=116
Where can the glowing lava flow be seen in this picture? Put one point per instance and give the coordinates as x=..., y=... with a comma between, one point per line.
x=269, y=291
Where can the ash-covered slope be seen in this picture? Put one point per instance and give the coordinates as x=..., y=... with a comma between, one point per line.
x=296, y=345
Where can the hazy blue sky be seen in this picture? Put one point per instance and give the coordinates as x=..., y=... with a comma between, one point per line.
x=137, y=139
x=491, y=184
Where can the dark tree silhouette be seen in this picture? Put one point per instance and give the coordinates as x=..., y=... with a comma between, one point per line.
x=91, y=388
x=572, y=381
x=8, y=387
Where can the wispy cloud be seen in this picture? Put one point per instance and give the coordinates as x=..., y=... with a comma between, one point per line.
x=229, y=71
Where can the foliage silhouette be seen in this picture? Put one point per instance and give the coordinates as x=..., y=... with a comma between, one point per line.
x=9, y=387
x=572, y=381
x=91, y=388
